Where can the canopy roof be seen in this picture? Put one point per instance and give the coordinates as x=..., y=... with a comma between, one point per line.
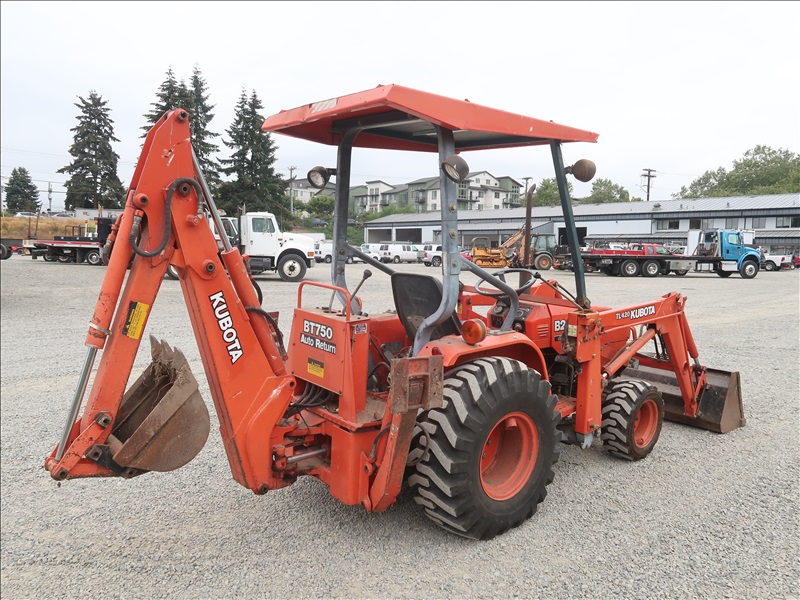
x=401, y=118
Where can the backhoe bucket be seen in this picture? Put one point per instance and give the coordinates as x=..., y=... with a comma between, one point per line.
x=720, y=404
x=163, y=421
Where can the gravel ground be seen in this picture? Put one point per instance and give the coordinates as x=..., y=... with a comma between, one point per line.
x=704, y=516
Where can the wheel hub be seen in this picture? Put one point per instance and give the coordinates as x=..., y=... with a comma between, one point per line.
x=509, y=456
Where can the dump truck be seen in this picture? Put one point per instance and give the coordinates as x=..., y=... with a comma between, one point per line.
x=464, y=391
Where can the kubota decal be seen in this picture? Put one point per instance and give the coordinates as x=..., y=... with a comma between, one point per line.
x=225, y=322
x=637, y=313
x=134, y=322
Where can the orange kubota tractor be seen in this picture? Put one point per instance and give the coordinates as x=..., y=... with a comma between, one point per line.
x=465, y=391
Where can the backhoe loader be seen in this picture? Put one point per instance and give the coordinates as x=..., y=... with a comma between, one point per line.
x=464, y=392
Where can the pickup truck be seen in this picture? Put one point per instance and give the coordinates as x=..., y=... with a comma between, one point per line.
x=776, y=262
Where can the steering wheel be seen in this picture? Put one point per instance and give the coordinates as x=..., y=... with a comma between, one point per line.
x=501, y=274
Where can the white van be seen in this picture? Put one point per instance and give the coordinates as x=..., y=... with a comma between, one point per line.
x=398, y=252
x=323, y=251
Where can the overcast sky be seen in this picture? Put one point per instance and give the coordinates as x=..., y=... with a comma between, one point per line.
x=681, y=88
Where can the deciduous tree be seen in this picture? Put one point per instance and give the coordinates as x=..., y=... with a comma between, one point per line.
x=604, y=190
x=762, y=170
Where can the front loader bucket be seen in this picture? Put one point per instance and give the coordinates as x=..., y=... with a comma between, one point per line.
x=162, y=421
x=720, y=404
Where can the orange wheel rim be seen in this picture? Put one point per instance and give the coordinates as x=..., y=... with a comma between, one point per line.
x=509, y=456
x=644, y=428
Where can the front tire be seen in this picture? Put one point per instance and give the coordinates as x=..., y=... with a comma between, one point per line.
x=396, y=259
x=749, y=269
x=489, y=451
x=291, y=268
x=633, y=412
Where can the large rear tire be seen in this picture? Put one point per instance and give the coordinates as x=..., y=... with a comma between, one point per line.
x=487, y=455
x=544, y=262
x=291, y=268
x=633, y=412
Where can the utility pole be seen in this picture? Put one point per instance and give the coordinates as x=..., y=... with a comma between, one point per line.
x=526, y=242
x=49, y=197
x=649, y=173
x=291, y=190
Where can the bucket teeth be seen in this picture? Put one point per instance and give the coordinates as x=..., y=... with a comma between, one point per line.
x=162, y=421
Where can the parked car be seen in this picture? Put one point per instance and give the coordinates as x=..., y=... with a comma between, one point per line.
x=398, y=253
x=432, y=255
x=25, y=214
x=63, y=215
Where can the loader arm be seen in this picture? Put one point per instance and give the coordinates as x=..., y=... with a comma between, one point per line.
x=121, y=433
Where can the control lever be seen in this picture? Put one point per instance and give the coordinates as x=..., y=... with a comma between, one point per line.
x=367, y=275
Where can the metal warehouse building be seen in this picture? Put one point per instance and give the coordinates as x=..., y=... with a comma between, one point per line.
x=774, y=218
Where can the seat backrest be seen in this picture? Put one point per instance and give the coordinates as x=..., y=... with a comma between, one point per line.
x=416, y=297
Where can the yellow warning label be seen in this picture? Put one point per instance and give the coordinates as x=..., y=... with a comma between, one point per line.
x=134, y=324
x=315, y=367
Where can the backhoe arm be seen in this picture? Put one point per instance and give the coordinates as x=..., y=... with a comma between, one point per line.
x=161, y=422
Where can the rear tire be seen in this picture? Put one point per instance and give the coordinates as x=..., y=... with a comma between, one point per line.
x=396, y=259
x=681, y=272
x=328, y=259
x=64, y=258
x=633, y=412
x=650, y=268
x=291, y=268
x=488, y=455
x=544, y=262
x=5, y=252
x=629, y=268
x=770, y=266
x=436, y=261
x=93, y=257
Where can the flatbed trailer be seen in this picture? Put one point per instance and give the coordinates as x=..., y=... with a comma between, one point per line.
x=74, y=248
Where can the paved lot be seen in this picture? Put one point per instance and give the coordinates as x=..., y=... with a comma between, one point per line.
x=705, y=515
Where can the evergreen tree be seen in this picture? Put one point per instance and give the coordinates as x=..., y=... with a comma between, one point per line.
x=21, y=192
x=171, y=95
x=174, y=94
x=93, y=180
x=255, y=183
x=200, y=117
